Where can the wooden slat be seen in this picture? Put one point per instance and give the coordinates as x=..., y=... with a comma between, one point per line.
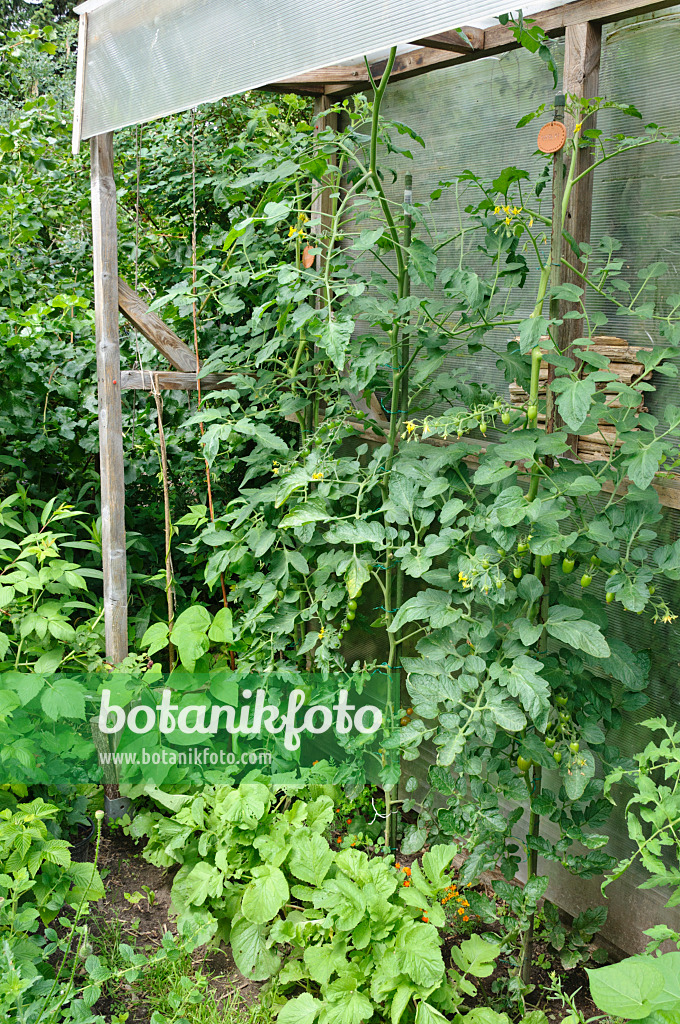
x=162, y=337
x=112, y=466
x=173, y=380
x=454, y=42
x=81, y=67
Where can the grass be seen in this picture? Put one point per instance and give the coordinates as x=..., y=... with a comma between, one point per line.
x=177, y=991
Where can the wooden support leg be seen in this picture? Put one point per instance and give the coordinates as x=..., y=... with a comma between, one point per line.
x=105, y=256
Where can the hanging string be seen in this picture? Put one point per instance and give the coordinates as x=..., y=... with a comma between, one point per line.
x=170, y=594
x=194, y=313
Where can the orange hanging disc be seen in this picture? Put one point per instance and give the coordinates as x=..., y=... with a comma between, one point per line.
x=552, y=137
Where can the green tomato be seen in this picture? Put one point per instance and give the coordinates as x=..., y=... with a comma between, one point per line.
x=501, y=551
x=532, y=413
x=523, y=763
x=574, y=747
x=586, y=580
x=652, y=590
x=346, y=627
x=505, y=418
x=567, y=565
x=546, y=560
x=522, y=548
x=610, y=597
x=594, y=560
x=517, y=573
x=351, y=616
x=485, y=563
x=562, y=701
x=557, y=756
x=482, y=427
x=352, y=605
x=550, y=742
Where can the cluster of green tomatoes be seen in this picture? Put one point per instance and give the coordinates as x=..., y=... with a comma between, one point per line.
x=557, y=730
x=568, y=566
x=351, y=611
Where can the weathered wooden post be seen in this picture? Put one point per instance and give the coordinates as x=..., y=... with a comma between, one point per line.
x=105, y=258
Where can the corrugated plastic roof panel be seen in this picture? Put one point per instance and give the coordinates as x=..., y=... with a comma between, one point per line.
x=148, y=58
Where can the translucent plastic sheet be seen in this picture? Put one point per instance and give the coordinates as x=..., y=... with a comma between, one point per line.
x=147, y=58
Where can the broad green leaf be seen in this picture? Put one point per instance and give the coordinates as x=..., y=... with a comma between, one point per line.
x=522, y=680
x=430, y=606
x=579, y=634
x=356, y=575
x=423, y=261
x=249, y=948
x=334, y=339
x=246, y=805
x=481, y=955
x=303, y=1009
x=312, y=511
x=420, y=954
x=265, y=894
x=627, y=989
x=643, y=467
x=63, y=698
x=577, y=773
x=427, y=1014
x=310, y=859
x=220, y=631
x=531, y=333
x=326, y=960
x=195, y=618
x=574, y=399
x=194, y=887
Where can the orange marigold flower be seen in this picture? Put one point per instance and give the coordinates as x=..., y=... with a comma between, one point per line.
x=349, y=821
x=425, y=919
x=408, y=871
x=338, y=840
x=460, y=910
x=398, y=866
x=407, y=883
x=466, y=918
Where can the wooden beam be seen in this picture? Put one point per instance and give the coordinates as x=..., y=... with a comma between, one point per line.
x=582, y=57
x=81, y=67
x=173, y=380
x=454, y=42
x=105, y=255
x=162, y=337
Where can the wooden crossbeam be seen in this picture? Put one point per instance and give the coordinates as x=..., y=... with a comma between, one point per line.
x=162, y=337
x=172, y=380
x=454, y=42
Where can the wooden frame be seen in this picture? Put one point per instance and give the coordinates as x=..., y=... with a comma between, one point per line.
x=580, y=21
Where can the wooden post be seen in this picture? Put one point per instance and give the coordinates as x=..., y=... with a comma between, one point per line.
x=105, y=257
x=582, y=54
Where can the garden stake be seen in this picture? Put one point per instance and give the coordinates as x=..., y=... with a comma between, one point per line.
x=169, y=583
